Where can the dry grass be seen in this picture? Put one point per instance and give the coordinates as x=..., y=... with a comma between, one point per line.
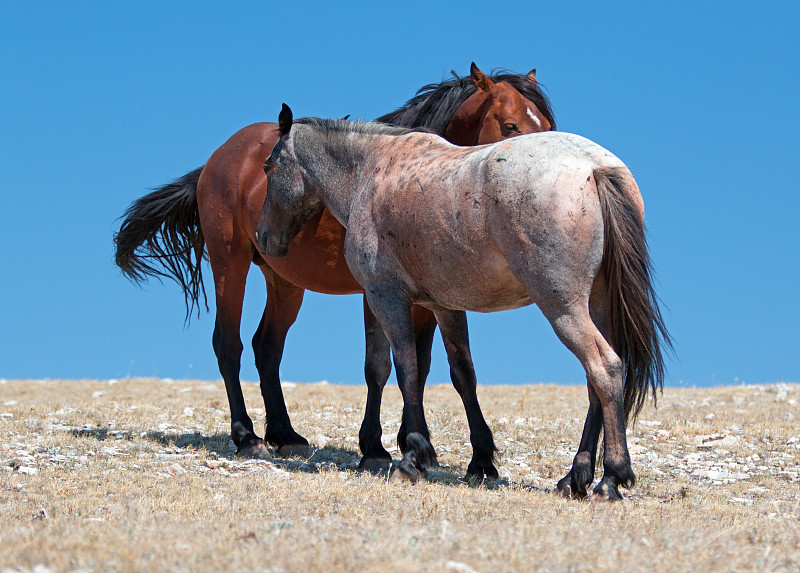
x=139, y=475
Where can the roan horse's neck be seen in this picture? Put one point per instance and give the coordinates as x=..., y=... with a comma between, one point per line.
x=333, y=164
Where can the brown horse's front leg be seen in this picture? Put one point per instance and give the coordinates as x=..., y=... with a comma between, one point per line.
x=455, y=336
x=283, y=304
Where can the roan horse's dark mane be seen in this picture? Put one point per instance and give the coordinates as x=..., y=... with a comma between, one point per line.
x=343, y=127
x=435, y=104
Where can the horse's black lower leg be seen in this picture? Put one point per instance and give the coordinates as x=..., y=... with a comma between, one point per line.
x=230, y=263
x=604, y=374
x=283, y=303
x=424, y=329
x=228, y=350
x=394, y=315
x=617, y=470
x=581, y=475
x=455, y=335
x=377, y=367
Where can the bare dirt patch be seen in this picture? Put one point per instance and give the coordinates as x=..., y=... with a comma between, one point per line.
x=136, y=475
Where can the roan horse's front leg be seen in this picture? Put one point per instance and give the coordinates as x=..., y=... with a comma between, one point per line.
x=377, y=367
x=394, y=316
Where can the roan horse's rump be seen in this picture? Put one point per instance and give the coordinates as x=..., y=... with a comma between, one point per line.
x=551, y=219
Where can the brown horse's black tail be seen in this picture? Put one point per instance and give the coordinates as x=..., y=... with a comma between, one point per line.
x=160, y=236
x=636, y=328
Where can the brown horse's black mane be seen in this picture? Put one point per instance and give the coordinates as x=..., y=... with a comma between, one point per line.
x=435, y=104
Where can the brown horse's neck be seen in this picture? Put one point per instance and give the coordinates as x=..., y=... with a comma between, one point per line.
x=464, y=126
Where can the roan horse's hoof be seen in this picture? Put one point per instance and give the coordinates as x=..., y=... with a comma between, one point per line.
x=606, y=491
x=407, y=471
x=565, y=489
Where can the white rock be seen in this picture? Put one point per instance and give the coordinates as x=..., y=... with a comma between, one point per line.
x=175, y=470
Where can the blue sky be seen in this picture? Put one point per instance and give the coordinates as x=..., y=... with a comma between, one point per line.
x=102, y=101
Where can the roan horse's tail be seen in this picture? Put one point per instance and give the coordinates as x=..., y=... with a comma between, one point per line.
x=160, y=236
x=635, y=326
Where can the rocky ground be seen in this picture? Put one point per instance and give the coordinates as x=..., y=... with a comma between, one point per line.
x=718, y=470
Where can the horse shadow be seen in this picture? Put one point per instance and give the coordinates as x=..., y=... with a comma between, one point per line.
x=319, y=459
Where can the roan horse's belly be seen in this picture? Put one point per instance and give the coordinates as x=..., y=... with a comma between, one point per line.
x=461, y=281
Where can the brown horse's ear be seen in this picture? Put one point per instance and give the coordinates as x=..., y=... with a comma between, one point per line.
x=285, y=120
x=531, y=75
x=480, y=80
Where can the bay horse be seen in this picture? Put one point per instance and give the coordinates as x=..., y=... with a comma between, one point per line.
x=215, y=208
x=549, y=218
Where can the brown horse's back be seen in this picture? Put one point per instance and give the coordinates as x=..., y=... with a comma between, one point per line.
x=230, y=194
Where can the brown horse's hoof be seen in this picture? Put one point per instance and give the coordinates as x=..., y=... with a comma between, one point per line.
x=292, y=450
x=257, y=450
x=375, y=465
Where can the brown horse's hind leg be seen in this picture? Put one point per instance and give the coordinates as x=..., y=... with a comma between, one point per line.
x=283, y=304
x=455, y=336
x=604, y=372
x=377, y=367
x=230, y=266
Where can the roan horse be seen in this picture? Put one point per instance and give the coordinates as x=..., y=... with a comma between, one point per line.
x=551, y=218
x=216, y=207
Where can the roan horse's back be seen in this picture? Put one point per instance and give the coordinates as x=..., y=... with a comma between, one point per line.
x=494, y=214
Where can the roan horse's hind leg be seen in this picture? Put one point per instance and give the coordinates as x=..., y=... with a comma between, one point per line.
x=283, y=304
x=604, y=372
x=581, y=474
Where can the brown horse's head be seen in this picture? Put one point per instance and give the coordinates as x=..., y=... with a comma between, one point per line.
x=288, y=205
x=496, y=111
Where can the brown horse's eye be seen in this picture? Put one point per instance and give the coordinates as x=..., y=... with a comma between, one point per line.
x=511, y=127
